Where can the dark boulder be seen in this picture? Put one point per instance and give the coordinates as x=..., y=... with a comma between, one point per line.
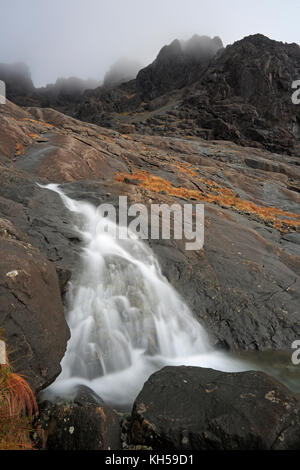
x=201, y=409
x=85, y=423
x=31, y=310
x=127, y=129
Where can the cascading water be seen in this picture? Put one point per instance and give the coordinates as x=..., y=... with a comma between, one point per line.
x=126, y=320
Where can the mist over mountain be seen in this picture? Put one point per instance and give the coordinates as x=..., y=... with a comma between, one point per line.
x=21, y=90
x=70, y=86
x=177, y=65
x=121, y=71
x=17, y=78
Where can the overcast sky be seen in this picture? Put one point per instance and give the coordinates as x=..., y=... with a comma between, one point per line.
x=84, y=37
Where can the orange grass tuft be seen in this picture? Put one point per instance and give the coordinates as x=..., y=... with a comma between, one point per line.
x=19, y=149
x=42, y=123
x=17, y=408
x=215, y=194
x=105, y=138
x=16, y=393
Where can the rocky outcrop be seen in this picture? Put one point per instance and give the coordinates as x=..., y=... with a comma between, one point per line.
x=188, y=408
x=241, y=93
x=176, y=66
x=245, y=94
x=31, y=311
x=85, y=423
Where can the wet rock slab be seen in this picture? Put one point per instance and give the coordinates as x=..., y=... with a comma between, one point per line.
x=31, y=310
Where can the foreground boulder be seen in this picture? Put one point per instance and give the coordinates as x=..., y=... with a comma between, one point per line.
x=192, y=408
x=31, y=310
x=85, y=423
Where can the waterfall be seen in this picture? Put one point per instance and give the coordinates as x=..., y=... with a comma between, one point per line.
x=125, y=318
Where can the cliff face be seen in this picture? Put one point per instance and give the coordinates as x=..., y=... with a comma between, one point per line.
x=176, y=66
x=241, y=93
x=245, y=94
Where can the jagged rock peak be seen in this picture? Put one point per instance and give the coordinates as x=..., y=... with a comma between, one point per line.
x=202, y=45
x=196, y=47
x=263, y=43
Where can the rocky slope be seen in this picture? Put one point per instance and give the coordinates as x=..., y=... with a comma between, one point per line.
x=244, y=285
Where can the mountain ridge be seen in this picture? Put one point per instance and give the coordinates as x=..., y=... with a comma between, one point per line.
x=240, y=93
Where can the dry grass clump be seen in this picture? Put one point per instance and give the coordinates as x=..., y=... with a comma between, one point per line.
x=17, y=408
x=19, y=149
x=216, y=194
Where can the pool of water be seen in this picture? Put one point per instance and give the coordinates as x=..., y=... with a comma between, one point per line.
x=278, y=364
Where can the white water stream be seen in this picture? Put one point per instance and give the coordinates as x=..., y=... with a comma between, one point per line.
x=126, y=320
